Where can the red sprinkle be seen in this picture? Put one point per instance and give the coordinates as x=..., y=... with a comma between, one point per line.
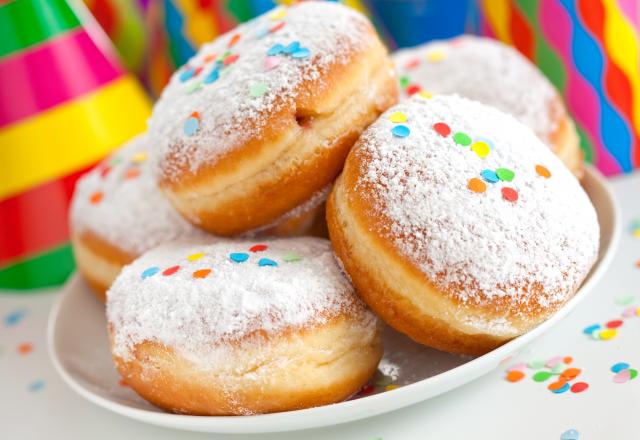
x=277, y=27
x=234, y=40
x=171, y=270
x=442, y=129
x=579, y=387
x=411, y=64
x=231, y=59
x=105, y=172
x=197, y=71
x=614, y=324
x=413, y=89
x=258, y=248
x=510, y=194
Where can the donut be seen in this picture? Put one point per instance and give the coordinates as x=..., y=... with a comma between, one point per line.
x=493, y=73
x=241, y=327
x=262, y=118
x=458, y=226
x=118, y=213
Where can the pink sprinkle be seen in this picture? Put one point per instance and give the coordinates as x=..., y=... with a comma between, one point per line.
x=623, y=376
x=554, y=361
x=629, y=313
x=518, y=367
x=271, y=62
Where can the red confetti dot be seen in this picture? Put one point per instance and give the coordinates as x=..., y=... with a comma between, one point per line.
x=25, y=348
x=105, y=171
x=579, y=387
x=132, y=173
x=96, y=197
x=231, y=59
x=277, y=27
x=234, y=40
x=413, y=89
x=171, y=270
x=442, y=129
x=258, y=248
x=509, y=194
x=202, y=273
x=411, y=64
x=614, y=324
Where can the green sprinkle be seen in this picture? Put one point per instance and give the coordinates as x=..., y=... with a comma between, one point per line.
x=541, y=376
x=536, y=364
x=192, y=87
x=625, y=300
x=558, y=368
x=291, y=258
x=462, y=139
x=505, y=174
x=258, y=89
x=632, y=373
x=404, y=81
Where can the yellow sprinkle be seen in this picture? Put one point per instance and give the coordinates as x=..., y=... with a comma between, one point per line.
x=636, y=233
x=139, y=157
x=391, y=387
x=279, y=14
x=638, y=311
x=424, y=94
x=435, y=55
x=398, y=117
x=609, y=333
x=194, y=257
x=481, y=149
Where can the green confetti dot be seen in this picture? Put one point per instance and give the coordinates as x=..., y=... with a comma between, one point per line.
x=292, y=258
x=404, y=81
x=258, y=89
x=632, y=373
x=536, y=364
x=462, y=139
x=541, y=376
x=505, y=174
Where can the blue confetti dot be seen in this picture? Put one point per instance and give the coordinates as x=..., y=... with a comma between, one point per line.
x=561, y=390
x=301, y=53
x=400, y=131
x=150, y=272
x=291, y=48
x=14, y=318
x=266, y=262
x=570, y=434
x=191, y=126
x=276, y=49
x=212, y=76
x=36, y=386
x=239, y=257
x=489, y=176
x=619, y=367
x=187, y=75
x=592, y=328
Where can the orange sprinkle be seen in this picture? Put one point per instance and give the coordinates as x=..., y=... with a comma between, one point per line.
x=132, y=173
x=195, y=115
x=477, y=185
x=543, y=171
x=210, y=58
x=25, y=348
x=96, y=197
x=122, y=383
x=567, y=360
x=515, y=376
x=202, y=273
x=570, y=373
x=557, y=384
x=234, y=40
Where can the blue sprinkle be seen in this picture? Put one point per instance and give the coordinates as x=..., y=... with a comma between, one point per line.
x=619, y=367
x=592, y=328
x=301, y=53
x=150, y=272
x=239, y=257
x=187, y=74
x=291, y=48
x=564, y=389
x=36, y=386
x=191, y=126
x=570, y=434
x=262, y=32
x=14, y=318
x=400, y=131
x=266, y=262
x=276, y=49
x=489, y=176
x=212, y=76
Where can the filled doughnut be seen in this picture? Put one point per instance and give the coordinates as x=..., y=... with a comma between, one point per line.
x=458, y=226
x=262, y=118
x=241, y=327
x=493, y=73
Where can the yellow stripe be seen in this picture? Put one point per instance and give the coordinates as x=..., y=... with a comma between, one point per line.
x=497, y=13
x=621, y=41
x=70, y=136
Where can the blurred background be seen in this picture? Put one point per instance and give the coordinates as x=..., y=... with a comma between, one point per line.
x=77, y=79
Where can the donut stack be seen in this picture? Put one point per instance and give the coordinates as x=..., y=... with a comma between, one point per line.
x=449, y=219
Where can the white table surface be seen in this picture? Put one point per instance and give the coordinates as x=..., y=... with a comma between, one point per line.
x=36, y=404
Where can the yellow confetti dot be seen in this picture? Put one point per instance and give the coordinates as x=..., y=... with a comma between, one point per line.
x=139, y=157
x=424, y=94
x=391, y=387
x=398, y=117
x=279, y=14
x=194, y=257
x=607, y=334
x=435, y=55
x=481, y=148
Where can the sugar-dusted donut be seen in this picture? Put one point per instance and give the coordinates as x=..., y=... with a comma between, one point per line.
x=493, y=73
x=241, y=327
x=458, y=226
x=263, y=117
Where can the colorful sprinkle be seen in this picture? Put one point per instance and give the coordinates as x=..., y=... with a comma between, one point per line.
x=622, y=377
x=558, y=368
x=579, y=387
x=462, y=139
x=567, y=360
x=301, y=53
x=258, y=248
x=36, y=386
x=271, y=62
x=123, y=383
x=212, y=76
x=509, y=194
x=633, y=373
x=404, y=81
x=442, y=129
x=14, y=318
x=170, y=271
x=518, y=367
x=614, y=323
x=592, y=328
x=625, y=300
x=635, y=228
x=139, y=157
x=202, y=273
x=559, y=387
x=425, y=94
x=194, y=86
x=266, y=262
x=536, y=364
x=186, y=75
x=234, y=40
x=25, y=348
x=505, y=174
x=541, y=376
x=391, y=387
x=292, y=258
x=400, y=131
x=435, y=55
x=413, y=89
x=258, y=89
x=476, y=185
x=292, y=48
x=105, y=171
x=543, y=171
x=616, y=368
x=607, y=334
x=489, y=176
x=132, y=173
x=412, y=64
x=278, y=14
x=231, y=59
x=570, y=434
x=96, y=197
x=276, y=49
x=239, y=257
x=570, y=373
x=515, y=376
x=553, y=361
x=191, y=126
x=195, y=257
x=398, y=117
x=481, y=148
x=276, y=27
x=150, y=272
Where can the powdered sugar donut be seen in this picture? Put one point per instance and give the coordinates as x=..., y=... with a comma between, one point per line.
x=262, y=118
x=493, y=73
x=241, y=327
x=458, y=226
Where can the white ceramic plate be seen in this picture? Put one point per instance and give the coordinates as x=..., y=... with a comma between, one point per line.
x=79, y=349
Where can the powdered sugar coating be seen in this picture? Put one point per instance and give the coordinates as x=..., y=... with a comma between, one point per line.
x=234, y=301
x=478, y=247
x=132, y=214
x=229, y=113
x=485, y=70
